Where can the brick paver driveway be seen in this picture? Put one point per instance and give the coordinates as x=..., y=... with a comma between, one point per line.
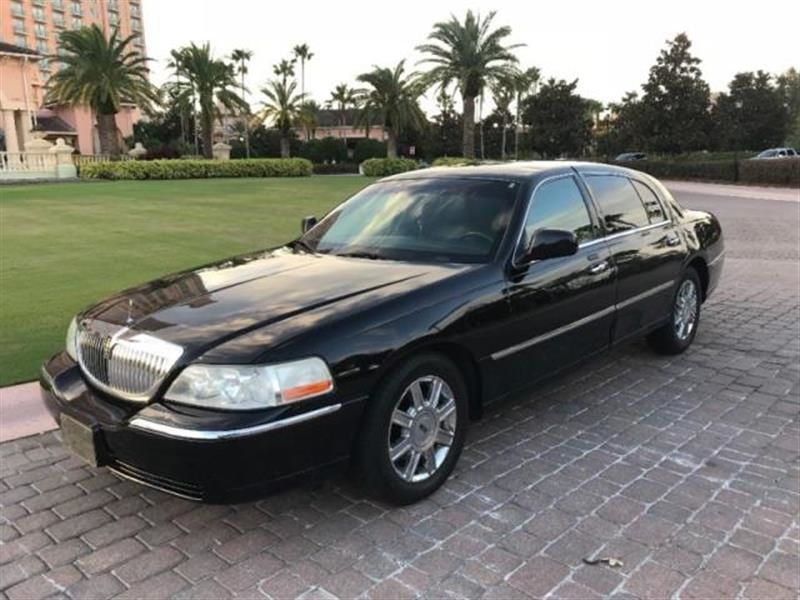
x=685, y=469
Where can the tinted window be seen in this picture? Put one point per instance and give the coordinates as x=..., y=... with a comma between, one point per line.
x=558, y=204
x=651, y=203
x=619, y=203
x=448, y=220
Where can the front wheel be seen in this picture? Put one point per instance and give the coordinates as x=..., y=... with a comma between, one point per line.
x=678, y=333
x=414, y=429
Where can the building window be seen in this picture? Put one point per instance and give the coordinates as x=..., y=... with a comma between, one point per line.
x=136, y=24
x=41, y=47
x=21, y=40
x=112, y=5
x=57, y=4
x=135, y=11
x=76, y=8
x=16, y=9
x=38, y=14
x=58, y=20
x=39, y=2
x=41, y=30
x=77, y=23
x=19, y=27
x=113, y=18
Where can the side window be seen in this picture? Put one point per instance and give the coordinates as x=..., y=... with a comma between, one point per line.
x=651, y=203
x=559, y=204
x=619, y=203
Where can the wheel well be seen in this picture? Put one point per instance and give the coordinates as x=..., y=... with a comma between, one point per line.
x=462, y=359
x=699, y=265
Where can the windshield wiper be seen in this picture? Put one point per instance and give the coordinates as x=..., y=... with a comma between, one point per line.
x=362, y=254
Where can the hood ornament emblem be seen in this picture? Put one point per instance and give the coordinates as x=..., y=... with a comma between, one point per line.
x=129, y=320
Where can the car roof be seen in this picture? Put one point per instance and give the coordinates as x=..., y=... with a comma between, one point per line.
x=521, y=171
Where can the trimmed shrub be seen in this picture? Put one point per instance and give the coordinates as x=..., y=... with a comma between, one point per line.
x=368, y=148
x=382, y=167
x=455, y=161
x=335, y=169
x=197, y=169
x=779, y=171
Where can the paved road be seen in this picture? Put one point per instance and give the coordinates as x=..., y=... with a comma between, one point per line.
x=686, y=469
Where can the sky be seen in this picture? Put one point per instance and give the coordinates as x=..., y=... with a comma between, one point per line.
x=607, y=45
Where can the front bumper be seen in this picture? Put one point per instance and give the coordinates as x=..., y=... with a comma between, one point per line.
x=211, y=456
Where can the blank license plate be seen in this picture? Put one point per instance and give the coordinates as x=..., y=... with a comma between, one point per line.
x=79, y=438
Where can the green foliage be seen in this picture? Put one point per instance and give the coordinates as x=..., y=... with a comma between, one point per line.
x=383, y=167
x=556, y=116
x=327, y=149
x=392, y=100
x=456, y=161
x=788, y=85
x=368, y=148
x=343, y=168
x=197, y=169
x=774, y=172
x=751, y=115
x=784, y=171
x=283, y=106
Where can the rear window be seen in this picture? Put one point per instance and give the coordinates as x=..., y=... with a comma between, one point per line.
x=619, y=203
x=651, y=203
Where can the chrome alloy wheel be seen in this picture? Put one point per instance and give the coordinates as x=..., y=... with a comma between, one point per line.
x=422, y=429
x=685, y=311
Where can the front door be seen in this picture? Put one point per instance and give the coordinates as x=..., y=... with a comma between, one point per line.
x=562, y=309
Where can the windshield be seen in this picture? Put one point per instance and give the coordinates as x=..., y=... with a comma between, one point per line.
x=440, y=220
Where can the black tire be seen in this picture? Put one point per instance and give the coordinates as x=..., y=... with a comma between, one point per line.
x=666, y=339
x=372, y=453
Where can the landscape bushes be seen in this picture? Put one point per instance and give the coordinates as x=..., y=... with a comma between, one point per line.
x=382, y=167
x=455, y=161
x=785, y=171
x=197, y=169
x=781, y=171
x=336, y=168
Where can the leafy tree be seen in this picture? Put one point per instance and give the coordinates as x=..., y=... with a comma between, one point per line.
x=393, y=100
x=623, y=130
x=675, y=104
x=308, y=117
x=752, y=115
x=503, y=93
x=212, y=82
x=284, y=107
x=789, y=89
x=302, y=53
x=103, y=73
x=240, y=58
x=557, y=120
x=445, y=135
x=471, y=55
x=523, y=81
x=343, y=98
x=265, y=143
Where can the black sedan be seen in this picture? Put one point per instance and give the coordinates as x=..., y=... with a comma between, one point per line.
x=374, y=338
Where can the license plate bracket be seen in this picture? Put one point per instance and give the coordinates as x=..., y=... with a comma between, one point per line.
x=82, y=439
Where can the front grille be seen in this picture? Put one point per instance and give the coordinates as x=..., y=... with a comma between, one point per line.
x=122, y=362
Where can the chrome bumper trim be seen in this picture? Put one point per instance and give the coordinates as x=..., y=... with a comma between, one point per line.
x=145, y=424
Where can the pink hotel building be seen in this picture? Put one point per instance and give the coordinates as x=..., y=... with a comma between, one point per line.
x=29, y=31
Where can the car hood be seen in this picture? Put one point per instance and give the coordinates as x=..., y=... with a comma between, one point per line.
x=203, y=307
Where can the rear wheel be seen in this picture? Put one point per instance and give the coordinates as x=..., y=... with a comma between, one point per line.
x=413, y=432
x=677, y=334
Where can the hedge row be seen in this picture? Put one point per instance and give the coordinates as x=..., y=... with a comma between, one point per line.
x=197, y=169
x=383, y=167
x=455, y=161
x=784, y=171
x=335, y=169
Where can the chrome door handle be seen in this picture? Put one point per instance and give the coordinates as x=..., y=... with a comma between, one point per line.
x=599, y=267
x=673, y=240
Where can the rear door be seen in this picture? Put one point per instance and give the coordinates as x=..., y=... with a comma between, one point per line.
x=646, y=250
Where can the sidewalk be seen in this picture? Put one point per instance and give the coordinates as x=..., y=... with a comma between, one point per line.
x=22, y=412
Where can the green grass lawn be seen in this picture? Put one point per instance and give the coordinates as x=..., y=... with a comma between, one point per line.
x=64, y=246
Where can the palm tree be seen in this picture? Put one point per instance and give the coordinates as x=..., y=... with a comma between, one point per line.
x=523, y=80
x=240, y=58
x=393, y=100
x=284, y=107
x=103, y=73
x=503, y=92
x=471, y=55
x=342, y=98
x=309, y=110
x=284, y=70
x=304, y=54
x=212, y=82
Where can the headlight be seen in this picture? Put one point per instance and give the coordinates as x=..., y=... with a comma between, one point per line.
x=243, y=387
x=72, y=339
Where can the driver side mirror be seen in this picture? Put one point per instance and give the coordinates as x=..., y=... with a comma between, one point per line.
x=308, y=223
x=551, y=243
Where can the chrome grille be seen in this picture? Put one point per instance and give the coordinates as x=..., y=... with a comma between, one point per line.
x=122, y=362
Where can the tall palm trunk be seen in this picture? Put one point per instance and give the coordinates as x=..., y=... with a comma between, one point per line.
x=480, y=121
x=246, y=123
x=468, y=141
x=303, y=78
x=208, y=126
x=391, y=143
x=516, y=129
x=107, y=134
x=285, y=146
x=503, y=142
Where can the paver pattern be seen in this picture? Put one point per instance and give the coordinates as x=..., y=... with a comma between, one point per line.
x=686, y=469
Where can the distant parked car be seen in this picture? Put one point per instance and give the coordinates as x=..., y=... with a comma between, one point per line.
x=777, y=153
x=629, y=156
